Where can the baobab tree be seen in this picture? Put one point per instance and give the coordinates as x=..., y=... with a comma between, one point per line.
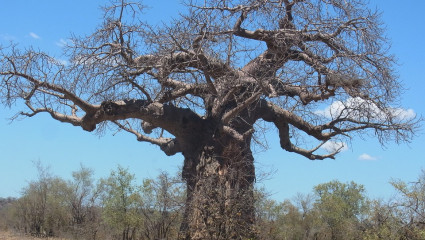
x=200, y=85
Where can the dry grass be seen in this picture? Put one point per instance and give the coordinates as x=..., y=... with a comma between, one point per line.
x=6, y=235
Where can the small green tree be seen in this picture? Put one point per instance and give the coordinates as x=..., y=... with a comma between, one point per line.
x=82, y=204
x=57, y=215
x=410, y=206
x=33, y=203
x=341, y=205
x=163, y=205
x=296, y=219
x=311, y=224
x=267, y=212
x=7, y=214
x=42, y=209
x=382, y=222
x=121, y=203
x=82, y=189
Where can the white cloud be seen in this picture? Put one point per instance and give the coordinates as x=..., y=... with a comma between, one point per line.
x=367, y=157
x=357, y=108
x=33, y=35
x=404, y=114
x=332, y=146
x=58, y=61
x=62, y=42
x=62, y=61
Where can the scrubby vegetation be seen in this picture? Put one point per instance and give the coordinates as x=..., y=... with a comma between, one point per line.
x=114, y=208
x=119, y=207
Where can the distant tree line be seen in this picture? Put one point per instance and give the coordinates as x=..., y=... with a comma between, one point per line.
x=118, y=207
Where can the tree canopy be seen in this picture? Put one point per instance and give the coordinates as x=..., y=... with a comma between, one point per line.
x=279, y=60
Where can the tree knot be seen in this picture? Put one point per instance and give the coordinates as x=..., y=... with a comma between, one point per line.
x=109, y=107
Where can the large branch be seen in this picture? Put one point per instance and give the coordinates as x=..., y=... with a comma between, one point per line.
x=342, y=125
x=280, y=117
x=228, y=116
x=285, y=143
x=167, y=116
x=182, y=123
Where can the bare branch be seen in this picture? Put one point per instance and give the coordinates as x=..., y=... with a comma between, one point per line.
x=85, y=106
x=168, y=145
x=55, y=115
x=203, y=74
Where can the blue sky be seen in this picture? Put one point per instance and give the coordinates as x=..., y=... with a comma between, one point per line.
x=45, y=24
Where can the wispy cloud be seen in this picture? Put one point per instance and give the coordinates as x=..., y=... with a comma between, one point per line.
x=58, y=61
x=62, y=42
x=367, y=157
x=62, y=61
x=357, y=108
x=33, y=35
x=332, y=146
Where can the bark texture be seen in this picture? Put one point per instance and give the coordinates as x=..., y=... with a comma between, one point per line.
x=220, y=201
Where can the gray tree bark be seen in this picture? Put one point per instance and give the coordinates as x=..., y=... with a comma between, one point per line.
x=220, y=181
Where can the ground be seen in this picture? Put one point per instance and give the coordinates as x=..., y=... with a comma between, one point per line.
x=7, y=235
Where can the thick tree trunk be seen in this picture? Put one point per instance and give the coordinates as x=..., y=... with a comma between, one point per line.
x=220, y=201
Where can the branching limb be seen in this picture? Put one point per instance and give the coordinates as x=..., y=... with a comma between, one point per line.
x=281, y=117
x=285, y=143
x=228, y=116
x=305, y=95
x=85, y=106
x=236, y=135
x=210, y=84
x=180, y=89
x=76, y=121
x=168, y=145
